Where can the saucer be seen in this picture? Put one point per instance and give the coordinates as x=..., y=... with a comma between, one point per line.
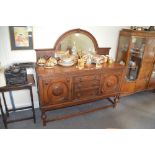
x=66, y=64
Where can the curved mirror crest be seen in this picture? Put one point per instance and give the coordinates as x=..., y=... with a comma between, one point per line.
x=77, y=42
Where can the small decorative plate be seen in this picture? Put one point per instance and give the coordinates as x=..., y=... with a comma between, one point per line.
x=39, y=64
x=66, y=64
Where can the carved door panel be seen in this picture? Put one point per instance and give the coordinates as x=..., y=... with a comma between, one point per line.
x=141, y=84
x=111, y=83
x=128, y=87
x=145, y=70
x=151, y=84
x=149, y=52
x=56, y=90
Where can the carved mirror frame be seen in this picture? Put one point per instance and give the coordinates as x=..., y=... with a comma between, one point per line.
x=80, y=31
x=50, y=52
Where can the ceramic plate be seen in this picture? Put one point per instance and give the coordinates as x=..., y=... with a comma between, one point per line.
x=66, y=64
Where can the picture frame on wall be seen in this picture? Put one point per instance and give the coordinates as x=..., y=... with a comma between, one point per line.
x=21, y=37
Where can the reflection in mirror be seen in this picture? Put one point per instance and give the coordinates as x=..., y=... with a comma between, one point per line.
x=77, y=42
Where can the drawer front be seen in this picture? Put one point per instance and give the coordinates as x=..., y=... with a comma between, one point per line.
x=85, y=85
x=86, y=94
x=86, y=78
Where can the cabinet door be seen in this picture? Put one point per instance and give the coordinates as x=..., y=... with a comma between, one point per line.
x=56, y=90
x=136, y=53
x=111, y=83
x=128, y=87
x=147, y=65
x=149, y=53
x=145, y=70
x=141, y=84
x=122, y=52
x=151, y=84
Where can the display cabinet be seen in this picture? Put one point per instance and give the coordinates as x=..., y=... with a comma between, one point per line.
x=136, y=51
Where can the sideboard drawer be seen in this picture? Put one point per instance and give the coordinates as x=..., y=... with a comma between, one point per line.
x=86, y=78
x=90, y=93
x=86, y=84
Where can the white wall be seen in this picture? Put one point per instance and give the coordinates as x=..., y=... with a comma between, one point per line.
x=106, y=36
x=45, y=37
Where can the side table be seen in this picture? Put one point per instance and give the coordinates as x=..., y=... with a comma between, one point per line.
x=8, y=88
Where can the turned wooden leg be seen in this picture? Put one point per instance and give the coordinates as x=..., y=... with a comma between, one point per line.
x=116, y=100
x=44, y=116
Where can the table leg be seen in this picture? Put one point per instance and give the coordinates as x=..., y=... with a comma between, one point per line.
x=43, y=116
x=32, y=102
x=6, y=108
x=12, y=101
x=116, y=100
x=3, y=116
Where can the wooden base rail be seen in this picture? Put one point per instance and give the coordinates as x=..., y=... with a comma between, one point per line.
x=114, y=104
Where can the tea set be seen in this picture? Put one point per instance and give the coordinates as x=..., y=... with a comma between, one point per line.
x=64, y=58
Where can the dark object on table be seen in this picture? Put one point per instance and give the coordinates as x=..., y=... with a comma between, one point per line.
x=138, y=28
x=152, y=28
x=16, y=75
x=25, y=64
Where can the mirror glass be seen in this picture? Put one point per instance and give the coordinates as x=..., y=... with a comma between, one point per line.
x=77, y=42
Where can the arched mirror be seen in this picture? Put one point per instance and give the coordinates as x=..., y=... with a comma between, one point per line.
x=74, y=40
x=77, y=40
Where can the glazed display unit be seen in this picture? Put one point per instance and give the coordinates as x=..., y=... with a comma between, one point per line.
x=136, y=51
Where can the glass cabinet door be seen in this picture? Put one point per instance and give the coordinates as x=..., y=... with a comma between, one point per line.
x=123, y=49
x=135, y=57
x=153, y=73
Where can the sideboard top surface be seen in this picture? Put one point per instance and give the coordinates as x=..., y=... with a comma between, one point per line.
x=41, y=71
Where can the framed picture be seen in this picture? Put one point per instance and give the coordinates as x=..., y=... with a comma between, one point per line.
x=21, y=37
